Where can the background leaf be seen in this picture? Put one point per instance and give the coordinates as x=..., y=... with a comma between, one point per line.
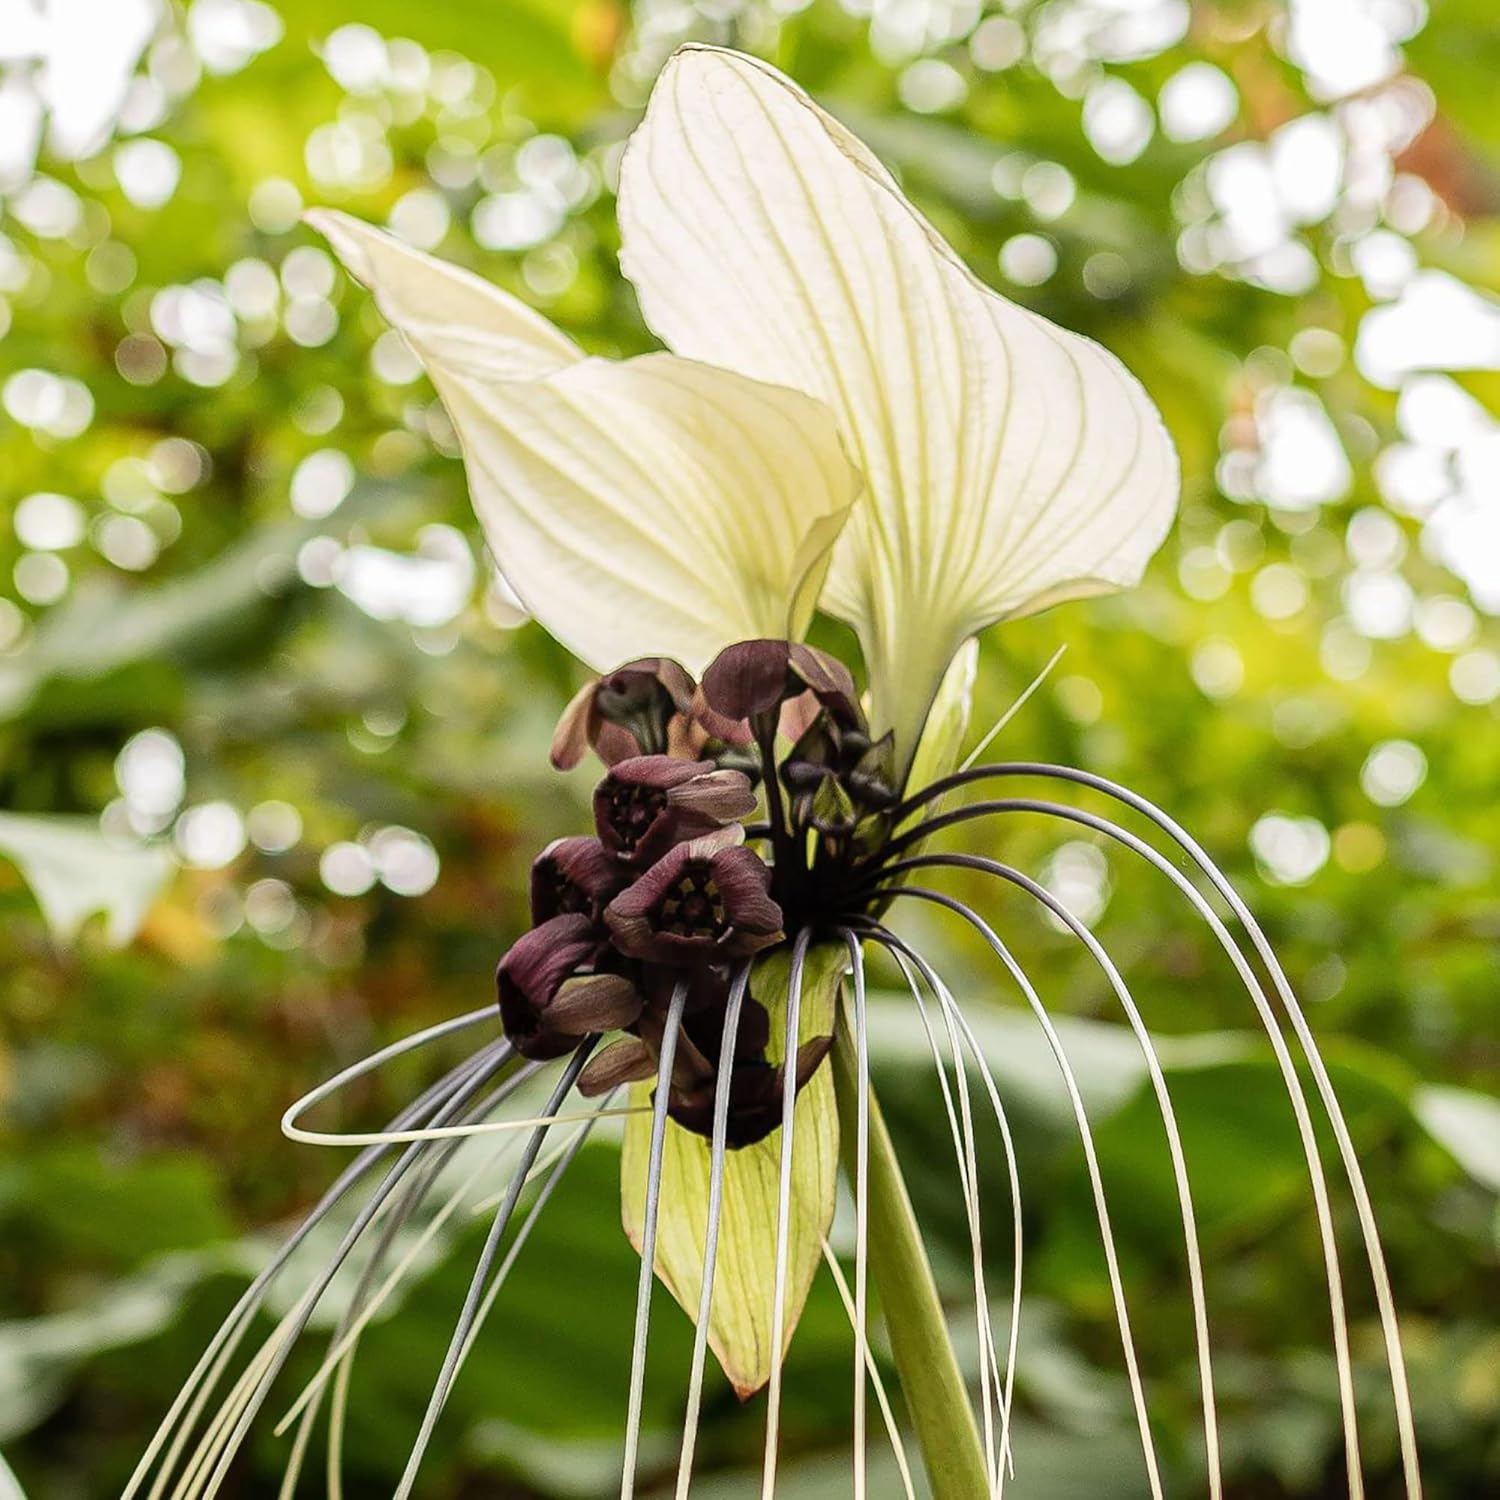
x=74, y=871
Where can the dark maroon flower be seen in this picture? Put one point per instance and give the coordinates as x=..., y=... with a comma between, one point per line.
x=752, y=680
x=575, y=875
x=650, y=802
x=757, y=1090
x=547, y=1004
x=704, y=900
x=642, y=708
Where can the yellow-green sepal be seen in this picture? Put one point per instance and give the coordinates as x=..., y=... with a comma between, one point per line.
x=739, y=1331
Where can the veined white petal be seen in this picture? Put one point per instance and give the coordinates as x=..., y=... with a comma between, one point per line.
x=1010, y=464
x=448, y=315
x=652, y=506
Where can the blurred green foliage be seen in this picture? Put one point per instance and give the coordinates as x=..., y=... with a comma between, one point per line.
x=257, y=629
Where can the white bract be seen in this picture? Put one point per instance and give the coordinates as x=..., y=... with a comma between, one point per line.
x=849, y=417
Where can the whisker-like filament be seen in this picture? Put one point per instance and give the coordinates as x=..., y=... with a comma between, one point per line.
x=204, y=1375
x=361, y=1312
x=893, y=1432
x=910, y=964
x=1291, y=1080
x=783, y=1209
x=1091, y=1162
x=993, y=732
x=454, y=1132
x=668, y=1056
x=717, y=1149
x=365, y=1304
x=1164, y=1105
x=558, y=1168
x=861, y=1203
x=440, y=1100
x=280, y=1346
x=458, y=1343
x=908, y=957
x=1369, y=1229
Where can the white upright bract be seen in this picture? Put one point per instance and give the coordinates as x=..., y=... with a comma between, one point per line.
x=642, y=507
x=670, y=504
x=1009, y=463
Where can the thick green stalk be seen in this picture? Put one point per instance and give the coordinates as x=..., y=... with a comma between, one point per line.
x=930, y=1379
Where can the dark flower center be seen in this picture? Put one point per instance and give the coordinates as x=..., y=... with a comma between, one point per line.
x=694, y=907
x=633, y=812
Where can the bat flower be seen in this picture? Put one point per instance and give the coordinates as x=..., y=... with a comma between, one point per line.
x=752, y=680
x=650, y=802
x=642, y=708
x=844, y=419
x=703, y=900
x=547, y=1004
x=574, y=876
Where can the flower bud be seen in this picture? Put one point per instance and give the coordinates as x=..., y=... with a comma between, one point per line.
x=837, y=776
x=704, y=900
x=650, y=802
x=641, y=708
x=752, y=680
x=546, y=1005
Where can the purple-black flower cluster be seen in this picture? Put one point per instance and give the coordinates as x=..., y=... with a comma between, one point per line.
x=667, y=894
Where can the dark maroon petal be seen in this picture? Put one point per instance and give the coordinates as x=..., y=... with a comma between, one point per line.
x=633, y=936
x=677, y=681
x=650, y=802
x=570, y=740
x=798, y=715
x=717, y=726
x=614, y=743
x=705, y=1024
x=677, y=913
x=641, y=684
x=530, y=975
x=617, y=714
x=629, y=1060
x=572, y=875
x=594, y=1002
x=638, y=898
x=714, y=797
x=810, y=1056
x=829, y=680
x=657, y=772
x=748, y=679
x=743, y=880
x=756, y=1095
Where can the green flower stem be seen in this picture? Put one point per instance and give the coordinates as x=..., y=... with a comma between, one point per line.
x=934, y=1388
